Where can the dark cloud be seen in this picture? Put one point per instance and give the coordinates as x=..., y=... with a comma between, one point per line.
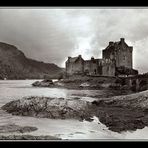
x=50, y=35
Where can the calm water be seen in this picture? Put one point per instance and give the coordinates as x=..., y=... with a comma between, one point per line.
x=65, y=129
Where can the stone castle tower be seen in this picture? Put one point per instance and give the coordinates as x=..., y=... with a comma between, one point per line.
x=116, y=60
x=120, y=52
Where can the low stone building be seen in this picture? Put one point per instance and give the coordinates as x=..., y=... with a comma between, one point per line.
x=117, y=60
x=75, y=65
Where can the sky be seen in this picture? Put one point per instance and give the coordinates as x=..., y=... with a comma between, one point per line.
x=52, y=34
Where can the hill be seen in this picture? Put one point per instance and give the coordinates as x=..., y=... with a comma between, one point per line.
x=15, y=65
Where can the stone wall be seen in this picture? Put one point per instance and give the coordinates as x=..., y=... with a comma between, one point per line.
x=93, y=67
x=109, y=51
x=124, y=56
x=87, y=67
x=120, y=52
x=90, y=67
x=76, y=67
x=108, y=68
x=99, y=68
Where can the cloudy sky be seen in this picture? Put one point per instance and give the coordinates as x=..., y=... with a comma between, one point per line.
x=53, y=34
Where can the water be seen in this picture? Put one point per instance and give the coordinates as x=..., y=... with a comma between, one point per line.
x=65, y=129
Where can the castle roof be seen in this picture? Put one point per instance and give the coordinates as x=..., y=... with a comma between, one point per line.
x=94, y=59
x=112, y=45
x=73, y=59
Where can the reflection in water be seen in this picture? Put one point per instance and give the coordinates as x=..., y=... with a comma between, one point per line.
x=65, y=129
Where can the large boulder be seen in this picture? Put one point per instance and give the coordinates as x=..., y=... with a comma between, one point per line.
x=44, y=83
x=49, y=107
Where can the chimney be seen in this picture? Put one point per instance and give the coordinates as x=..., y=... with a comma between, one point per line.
x=92, y=58
x=69, y=58
x=79, y=56
x=111, y=43
x=122, y=40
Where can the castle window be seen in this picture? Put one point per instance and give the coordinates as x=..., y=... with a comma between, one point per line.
x=95, y=71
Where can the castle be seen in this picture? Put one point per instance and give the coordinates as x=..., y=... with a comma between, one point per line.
x=117, y=60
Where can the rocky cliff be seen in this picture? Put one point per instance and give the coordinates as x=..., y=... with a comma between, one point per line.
x=15, y=65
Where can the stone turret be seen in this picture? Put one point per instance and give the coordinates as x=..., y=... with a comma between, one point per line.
x=111, y=43
x=122, y=40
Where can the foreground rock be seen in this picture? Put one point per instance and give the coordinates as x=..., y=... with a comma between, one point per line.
x=49, y=107
x=123, y=113
x=120, y=113
x=136, y=100
x=44, y=83
x=28, y=137
x=13, y=129
x=120, y=119
x=10, y=128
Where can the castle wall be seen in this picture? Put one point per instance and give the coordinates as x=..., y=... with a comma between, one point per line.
x=99, y=68
x=87, y=67
x=124, y=57
x=78, y=67
x=120, y=52
x=109, y=52
x=93, y=67
x=75, y=67
x=108, y=68
x=68, y=67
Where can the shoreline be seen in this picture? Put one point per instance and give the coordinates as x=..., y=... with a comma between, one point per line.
x=119, y=113
x=85, y=83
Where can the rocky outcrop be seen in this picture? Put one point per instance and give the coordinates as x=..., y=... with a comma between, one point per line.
x=28, y=137
x=49, y=107
x=44, y=83
x=93, y=83
x=10, y=128
x=136, y=100
x=120, y=119
x=120, y=113
x=17, y=133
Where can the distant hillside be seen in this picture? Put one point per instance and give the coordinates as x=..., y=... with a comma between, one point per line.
x=15, y=65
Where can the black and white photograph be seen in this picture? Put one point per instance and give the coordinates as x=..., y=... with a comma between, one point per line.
x=73, y=73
